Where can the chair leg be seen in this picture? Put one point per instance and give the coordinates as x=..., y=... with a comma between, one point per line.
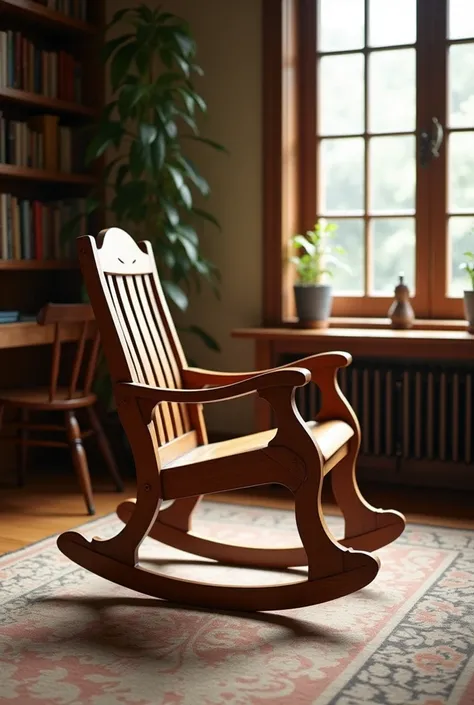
x=105, y=448
x=22, y=455
x=366, y=527
x=79, y=459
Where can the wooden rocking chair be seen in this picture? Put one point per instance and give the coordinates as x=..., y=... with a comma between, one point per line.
x=159, y=400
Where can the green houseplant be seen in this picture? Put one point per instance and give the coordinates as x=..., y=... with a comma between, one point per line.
x=143, y=131
x=468, y=266
x=315, y=261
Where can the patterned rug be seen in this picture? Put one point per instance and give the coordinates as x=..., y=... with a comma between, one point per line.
x=70, y=638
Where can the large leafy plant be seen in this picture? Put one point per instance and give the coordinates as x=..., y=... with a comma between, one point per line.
x=316, y=255
x=143, y=131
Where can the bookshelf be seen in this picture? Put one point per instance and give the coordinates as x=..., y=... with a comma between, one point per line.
x=25, y=264
x=11, y=173
x=40, y=104
x=37, y=13
x=50, y=74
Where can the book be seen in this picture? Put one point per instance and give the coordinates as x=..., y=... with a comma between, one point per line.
x=32, y=229
x=39, y=143
x=26, y=66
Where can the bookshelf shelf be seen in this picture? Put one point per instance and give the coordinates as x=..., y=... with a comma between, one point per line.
x=10, y=171
x=44, y=53
x=42, y=103
x=32, y=264
x=35, y=13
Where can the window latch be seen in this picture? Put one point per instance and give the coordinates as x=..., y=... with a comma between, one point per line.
x=430, y=143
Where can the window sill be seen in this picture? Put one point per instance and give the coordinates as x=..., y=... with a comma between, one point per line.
x=440, y=343
x=384, y=323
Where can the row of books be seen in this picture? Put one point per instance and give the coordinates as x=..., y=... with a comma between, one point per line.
x=72, y=8
x=15, y=317
x=32, y=229
x=39, y=143
x=23, y=65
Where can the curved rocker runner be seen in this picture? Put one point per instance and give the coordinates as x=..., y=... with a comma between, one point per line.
x=159, y=400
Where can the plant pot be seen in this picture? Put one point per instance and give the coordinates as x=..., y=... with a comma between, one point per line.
x=313, y=304
x=469, y=309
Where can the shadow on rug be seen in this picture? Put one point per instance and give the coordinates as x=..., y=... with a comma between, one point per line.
x=69, y=637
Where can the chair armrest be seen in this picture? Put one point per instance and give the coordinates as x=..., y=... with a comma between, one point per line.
x=195, y=377
x=289, y=377
x=323, y=368
x=320, y=365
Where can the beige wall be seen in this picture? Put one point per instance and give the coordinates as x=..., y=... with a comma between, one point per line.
x=228, y=36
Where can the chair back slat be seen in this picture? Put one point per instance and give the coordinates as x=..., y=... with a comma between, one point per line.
x=92, y=364
x=159, y=358
x=137, y=331
x=127, y=345
x=81, y=316
x=55, y=363
x=148, y=352
x=170, y=363
x=137, y=334
x=78, y=358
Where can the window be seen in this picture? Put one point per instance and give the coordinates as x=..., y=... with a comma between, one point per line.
x=382, y=86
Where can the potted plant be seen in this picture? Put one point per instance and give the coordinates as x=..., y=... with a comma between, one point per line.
x=154, y=188
x=143, y=131
x=315, y=261
x=468, y=266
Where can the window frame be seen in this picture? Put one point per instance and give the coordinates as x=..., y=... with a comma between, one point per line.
x=290, y=174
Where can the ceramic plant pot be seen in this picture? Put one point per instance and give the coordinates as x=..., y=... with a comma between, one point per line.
x=469, y=309
x=313, y=304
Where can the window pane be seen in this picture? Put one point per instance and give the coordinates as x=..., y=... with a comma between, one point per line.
x=392, y=91
x=341, y=25
x=392, y=174
x=461, y=85
x=341, y=175
x=350, y=236
x=393, y=253
x=341, y=94
x=392, y=23
x=461, y=19
x=461, y=172
x=461, y=239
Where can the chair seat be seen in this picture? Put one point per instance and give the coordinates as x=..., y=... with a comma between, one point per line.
x=331, y=437
x=38, y=398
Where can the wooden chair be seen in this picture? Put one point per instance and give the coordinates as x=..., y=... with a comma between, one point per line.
x=159, y=400
x=66, y=399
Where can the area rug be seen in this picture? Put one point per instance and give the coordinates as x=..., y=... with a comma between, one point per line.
x=69, y=638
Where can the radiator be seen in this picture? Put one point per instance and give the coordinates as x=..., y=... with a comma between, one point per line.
x=417, y=416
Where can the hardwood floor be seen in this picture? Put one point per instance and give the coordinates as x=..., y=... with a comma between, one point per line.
x=54, y=504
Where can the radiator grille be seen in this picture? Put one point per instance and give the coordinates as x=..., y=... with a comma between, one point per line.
x=407, y=411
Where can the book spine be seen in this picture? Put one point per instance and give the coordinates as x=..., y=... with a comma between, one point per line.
x=10, y=59
x=2, y=251
x=38, y=229
x=3, y=140
x=28, y=231
x=45, y=231
x=22, y=227
x=3, y=60
x=23, y=82
x=5, y=248
x=15, y=228
x=9, y=248
x=18, y=57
